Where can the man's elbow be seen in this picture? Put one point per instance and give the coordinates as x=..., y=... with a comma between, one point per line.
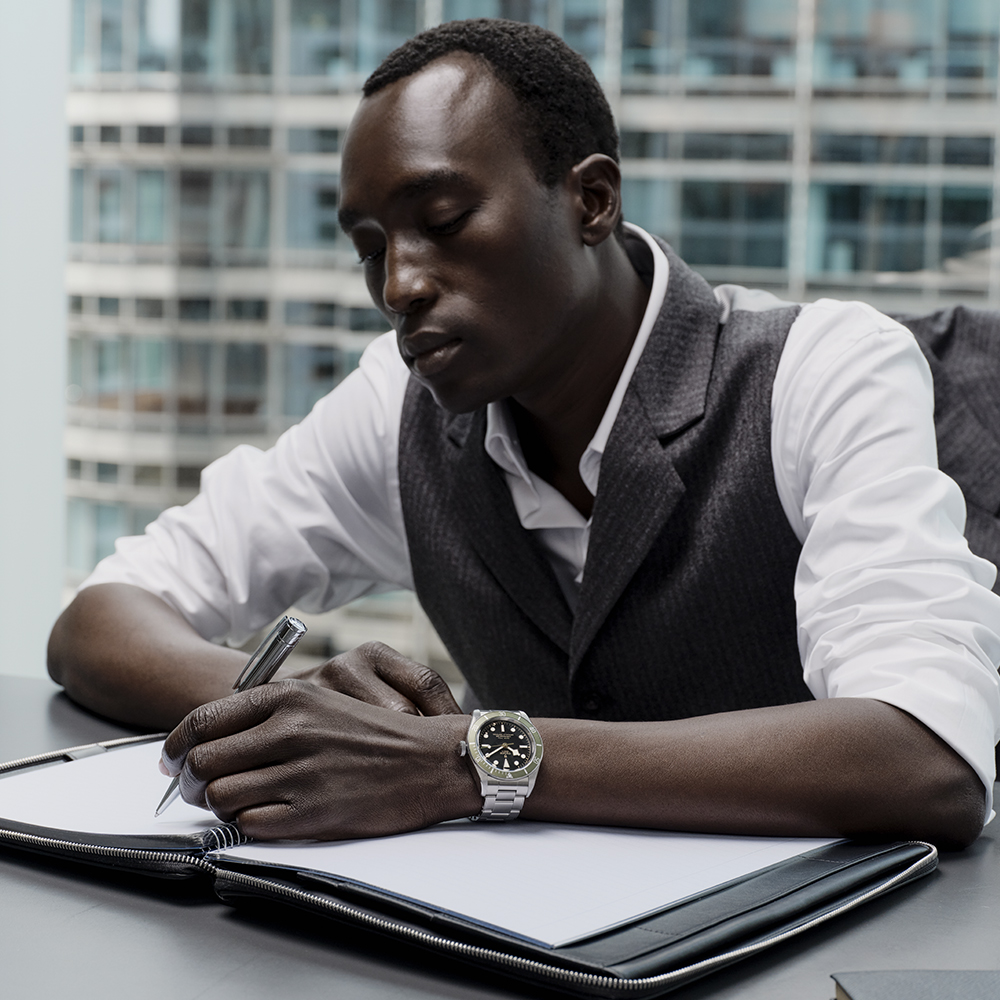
x=953, y=809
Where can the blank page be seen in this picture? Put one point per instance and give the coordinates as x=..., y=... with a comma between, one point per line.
x=115, y=793
x=551, y=883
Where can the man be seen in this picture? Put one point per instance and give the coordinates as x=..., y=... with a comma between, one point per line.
x=643, y=513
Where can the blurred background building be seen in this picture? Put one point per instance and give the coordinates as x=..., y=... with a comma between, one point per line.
x=814, y=147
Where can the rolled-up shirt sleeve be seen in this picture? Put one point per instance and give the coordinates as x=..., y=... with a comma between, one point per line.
x=891, y=603
x=313, y=522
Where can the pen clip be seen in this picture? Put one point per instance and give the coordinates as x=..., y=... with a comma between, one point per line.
x=270, y=654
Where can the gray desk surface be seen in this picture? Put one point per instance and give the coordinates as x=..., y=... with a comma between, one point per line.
x=66, y=931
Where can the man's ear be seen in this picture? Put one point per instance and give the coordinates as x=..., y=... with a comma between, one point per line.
x=596, y=183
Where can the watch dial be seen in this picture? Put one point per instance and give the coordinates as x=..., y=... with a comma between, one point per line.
x=505, y=744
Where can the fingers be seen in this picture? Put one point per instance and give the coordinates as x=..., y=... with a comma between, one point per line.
x=375, y=673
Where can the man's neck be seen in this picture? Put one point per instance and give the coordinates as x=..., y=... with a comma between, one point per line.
x=555, y=427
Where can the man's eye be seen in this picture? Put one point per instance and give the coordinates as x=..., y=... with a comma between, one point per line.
x=451, y=225
x=371, y=256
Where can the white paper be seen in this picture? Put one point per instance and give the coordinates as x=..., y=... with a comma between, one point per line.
x=114, y=793
x=550, y=882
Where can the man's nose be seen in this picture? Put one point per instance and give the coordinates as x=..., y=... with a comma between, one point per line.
x=408, y=283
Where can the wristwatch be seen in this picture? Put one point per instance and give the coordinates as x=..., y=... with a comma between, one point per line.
x=504, y=749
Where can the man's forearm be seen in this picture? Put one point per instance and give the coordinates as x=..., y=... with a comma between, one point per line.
x=840, y=767
x=124, y=653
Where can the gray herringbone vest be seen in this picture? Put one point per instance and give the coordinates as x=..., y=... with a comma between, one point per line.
x=686, y=605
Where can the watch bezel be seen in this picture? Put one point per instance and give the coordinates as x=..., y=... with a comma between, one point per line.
x=485, y=766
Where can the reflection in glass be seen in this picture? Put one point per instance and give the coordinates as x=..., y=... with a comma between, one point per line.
x=109, y=206
x=247, y=208
x=150, y=206
x=312, y=209
x=158, y=22
x=246, y=379
x=150, y=375
x=311, y=371
x=111, y=36
x=192, y=376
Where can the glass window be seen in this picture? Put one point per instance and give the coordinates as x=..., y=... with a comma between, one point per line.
x=732, y=223
x=312, y=209
x=971, y=151
x=111, y=133
x=198, y=53
x=195, y=216
x=193, y=359
x=367, y=320
x=111, y=36
x=78, y=61
x=110, y=524
x=319, y=45
x=251, y=36
x=110, y=225
x=311, y=371
x=142, y=517
x=158, y=23
x=311, y=313
x=76, y=134
x=107, y=306
x=963, y=209
x=189, y=477
x=652, y=38
x=246, y=379
x=254, y=310
x=77, y=180
x=149, y=308
x=646, y=145
x=74, y=371
x=75, y=304
x=247, y=208
x=250, y=136
x=74, y=468
x=150, y=375
x=196, y=135
x=109, y=356
x=868, y=228
x=652, y=204
x=151, y=134
x=107, y=472
x=736, y=146
x=830, y=147
x=194, y=310
x=79, y=535
x=583, y=30
x=740, y=38
x=148, y=475
x=313, y=140
x=150, y=206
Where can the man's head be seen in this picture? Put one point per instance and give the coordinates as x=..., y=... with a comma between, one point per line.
x=496, y=281
x=563, y=113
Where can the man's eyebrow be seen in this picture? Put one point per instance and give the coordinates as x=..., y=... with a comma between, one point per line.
x=426, y=182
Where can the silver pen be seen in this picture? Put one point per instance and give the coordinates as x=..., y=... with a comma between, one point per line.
x=260, y=668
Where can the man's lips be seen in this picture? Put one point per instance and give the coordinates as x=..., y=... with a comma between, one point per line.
x=429, y=353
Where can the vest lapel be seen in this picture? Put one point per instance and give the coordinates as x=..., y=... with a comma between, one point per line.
x=509, y=552
x=639, y=487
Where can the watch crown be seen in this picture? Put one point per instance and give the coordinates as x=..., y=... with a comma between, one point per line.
x=463, y=748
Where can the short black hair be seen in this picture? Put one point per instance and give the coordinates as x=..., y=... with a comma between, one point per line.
x=564, y=112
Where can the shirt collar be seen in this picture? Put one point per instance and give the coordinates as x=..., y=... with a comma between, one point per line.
x=501, y=442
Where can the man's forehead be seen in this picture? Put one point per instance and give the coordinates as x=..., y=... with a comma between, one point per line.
x=451, y=98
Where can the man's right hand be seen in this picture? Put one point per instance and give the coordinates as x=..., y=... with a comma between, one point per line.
x=375, y=673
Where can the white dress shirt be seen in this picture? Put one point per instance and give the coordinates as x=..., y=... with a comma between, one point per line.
x=890, y=602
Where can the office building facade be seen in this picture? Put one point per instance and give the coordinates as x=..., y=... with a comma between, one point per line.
x=818, y=147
